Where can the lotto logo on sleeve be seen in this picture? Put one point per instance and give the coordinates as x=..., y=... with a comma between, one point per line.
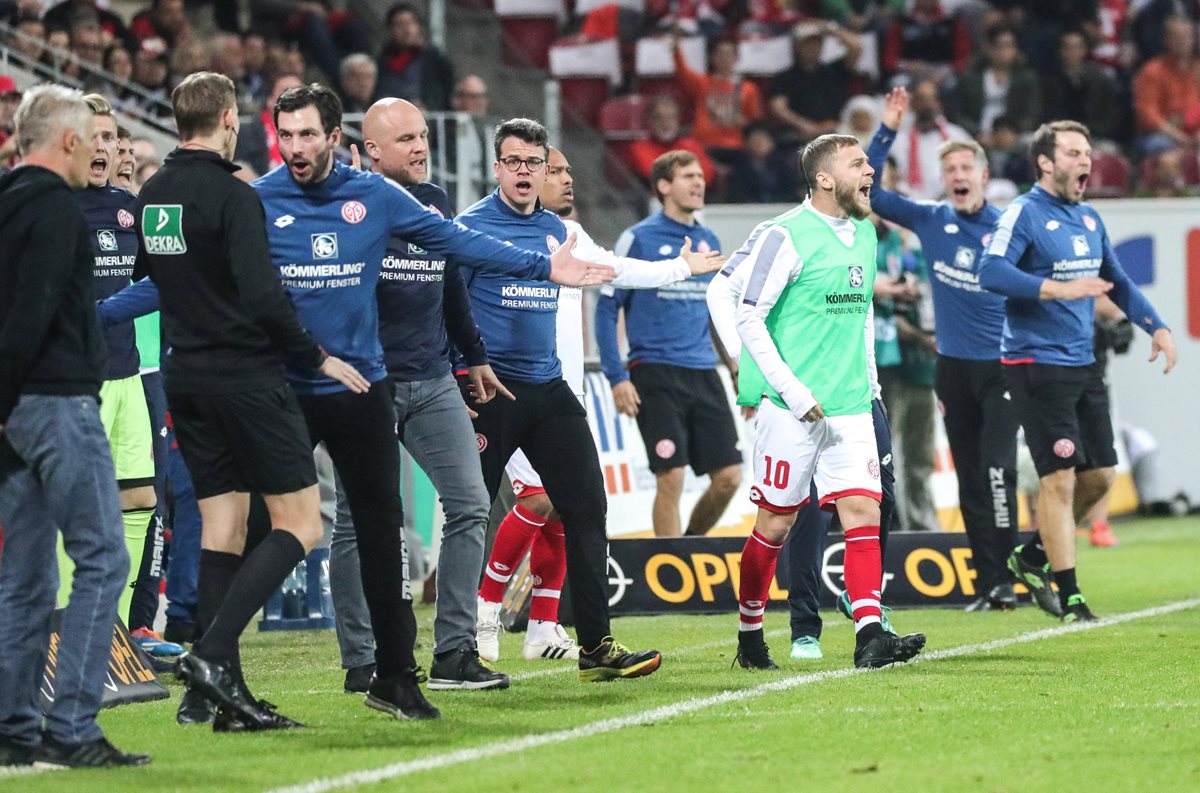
x=162, y=229
x=353, y=212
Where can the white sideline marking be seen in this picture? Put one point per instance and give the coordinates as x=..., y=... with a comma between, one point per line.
x=691, y=705
x=570, y=667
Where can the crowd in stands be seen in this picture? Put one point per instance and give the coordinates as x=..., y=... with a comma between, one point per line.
x=992, y=69
x=152, y=52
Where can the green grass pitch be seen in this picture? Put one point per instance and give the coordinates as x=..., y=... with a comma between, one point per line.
x=1115, y=707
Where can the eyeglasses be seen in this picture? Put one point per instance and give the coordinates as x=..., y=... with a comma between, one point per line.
x=534, y=164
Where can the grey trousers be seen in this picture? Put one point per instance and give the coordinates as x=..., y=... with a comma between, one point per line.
x=56, y=476
x=434, y=427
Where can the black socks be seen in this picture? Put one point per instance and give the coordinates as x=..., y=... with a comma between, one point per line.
x=262, y=572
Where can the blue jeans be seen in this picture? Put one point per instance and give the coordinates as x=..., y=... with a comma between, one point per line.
x=183, y=562
x=56, y=475
x=436, y=431
x=805, y=548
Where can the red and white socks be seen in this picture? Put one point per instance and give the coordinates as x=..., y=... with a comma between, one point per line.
x=864, y=577
x=757, y=571
x=548, y=565
x=515, y=533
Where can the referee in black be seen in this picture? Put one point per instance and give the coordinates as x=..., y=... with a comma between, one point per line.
x=228, y=326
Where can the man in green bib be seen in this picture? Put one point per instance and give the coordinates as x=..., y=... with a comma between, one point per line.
x=808, y=366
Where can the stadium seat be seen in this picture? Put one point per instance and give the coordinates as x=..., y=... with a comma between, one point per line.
x=582, y=98
x=1191, y=170
x=527, y=40
x=623, y=118
x=1111, y=175
x=586, y=71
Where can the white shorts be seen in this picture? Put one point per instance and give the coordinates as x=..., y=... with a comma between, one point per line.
x=839, y=452
x=525, y=480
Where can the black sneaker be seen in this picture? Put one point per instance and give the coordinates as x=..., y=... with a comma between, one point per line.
x=15, y=753
x=885, y=649
x=180, y=631
x=753, y=652
x=999, y=598
x=267, y=718
x=401, y=696
x=1038, y=579
x=93, y=754
x=464, y=669
x=194, y=708
x=1077, y=610
x=358, y=678
x=611, y=660
x=218, y=681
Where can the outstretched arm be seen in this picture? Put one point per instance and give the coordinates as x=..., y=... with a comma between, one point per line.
x=889, y=204
x=136, y=300
x=1139, y=310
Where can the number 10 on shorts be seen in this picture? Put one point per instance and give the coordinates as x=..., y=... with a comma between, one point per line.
x=777, y=473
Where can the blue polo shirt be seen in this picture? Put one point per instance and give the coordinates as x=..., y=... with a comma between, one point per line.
x=667, y=325
x=1042, y=236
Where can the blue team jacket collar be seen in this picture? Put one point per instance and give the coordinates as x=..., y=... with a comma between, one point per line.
x=976, y=213
x=337, y=174
x=1045, y=195
x=505, y=209
x=674, y=222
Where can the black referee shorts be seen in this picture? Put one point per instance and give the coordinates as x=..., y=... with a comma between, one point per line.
x=684, y=418
x=1065, y=413
x=250, y=442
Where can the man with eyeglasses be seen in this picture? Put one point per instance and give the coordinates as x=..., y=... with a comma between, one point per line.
x=534, y=521
x=518, y=319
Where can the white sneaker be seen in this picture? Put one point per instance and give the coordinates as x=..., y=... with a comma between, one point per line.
x=554, y=645
x=487, y=631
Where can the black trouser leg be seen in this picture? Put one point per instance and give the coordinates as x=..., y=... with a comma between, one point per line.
x=143, y=607
x=561, y=448
x=981, y=427
x=887, y=473
x=998, y=445
x=359, y=433
x=805, y=550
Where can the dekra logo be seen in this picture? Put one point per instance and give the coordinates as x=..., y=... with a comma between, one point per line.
x=162, y=229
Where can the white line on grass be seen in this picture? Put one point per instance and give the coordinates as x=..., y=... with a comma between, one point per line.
x=691, y=705
x=562, y=668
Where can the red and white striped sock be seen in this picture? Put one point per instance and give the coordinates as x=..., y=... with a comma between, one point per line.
x=757, y=572
x=512, y=540
x=863, y=575
x=548, y=564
